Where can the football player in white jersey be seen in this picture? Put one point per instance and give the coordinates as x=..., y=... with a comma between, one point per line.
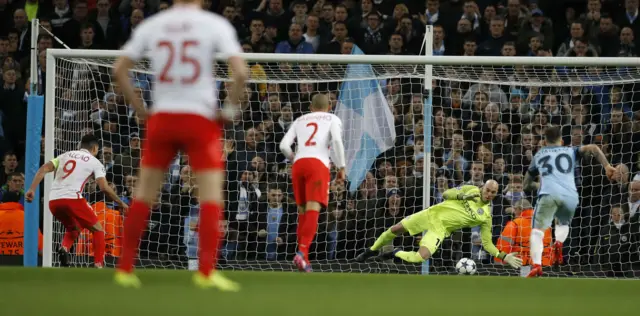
x=66, y=203
x=180, y=43
x=315, y=133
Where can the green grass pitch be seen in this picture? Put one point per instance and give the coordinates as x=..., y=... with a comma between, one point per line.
x=90, y=292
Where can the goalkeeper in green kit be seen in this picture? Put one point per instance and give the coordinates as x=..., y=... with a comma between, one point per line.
x=464, y=207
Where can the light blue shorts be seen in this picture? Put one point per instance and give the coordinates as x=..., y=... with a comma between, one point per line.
x=562, y=207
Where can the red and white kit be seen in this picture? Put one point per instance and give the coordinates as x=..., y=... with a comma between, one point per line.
x=315, y=133
x=181, y=44
x=66, y=203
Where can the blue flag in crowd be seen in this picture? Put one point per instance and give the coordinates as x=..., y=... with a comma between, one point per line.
x=367, y=120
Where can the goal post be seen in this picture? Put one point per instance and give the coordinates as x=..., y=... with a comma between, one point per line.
x=429, y=119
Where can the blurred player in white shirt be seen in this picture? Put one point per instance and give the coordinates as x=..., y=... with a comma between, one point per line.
x=181, y=43
x=315, y=133
x=66, y=203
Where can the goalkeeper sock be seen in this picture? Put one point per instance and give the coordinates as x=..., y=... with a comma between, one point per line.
x=133, y=228
x=384, y=239
x=536, y=246
x=98, y=247
x=562, y=232
x=209, y=239
x=69, y=238
x=308, y=232
x=409, y=256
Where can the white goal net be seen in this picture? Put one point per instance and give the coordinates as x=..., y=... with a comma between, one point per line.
x=485, y=120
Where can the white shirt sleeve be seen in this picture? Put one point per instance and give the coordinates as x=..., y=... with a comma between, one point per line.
x=227, y=39
x=336, y=141
x=136, y=46
x=99, y=171
x=287, y=141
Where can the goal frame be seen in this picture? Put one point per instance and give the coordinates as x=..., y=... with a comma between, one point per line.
x=426, y=60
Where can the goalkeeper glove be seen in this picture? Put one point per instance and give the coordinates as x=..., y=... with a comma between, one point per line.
x=467, y=197
x=511, y=259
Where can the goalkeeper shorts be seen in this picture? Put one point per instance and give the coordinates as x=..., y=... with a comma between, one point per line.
x=421, y=222
x=195, y=135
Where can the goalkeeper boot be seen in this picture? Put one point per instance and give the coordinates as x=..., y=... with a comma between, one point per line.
x=536, y=271
x=64, y=257
x=302, y=264
x=366, y=254
x=557, y=253
x=389, y=255
x=126, y=279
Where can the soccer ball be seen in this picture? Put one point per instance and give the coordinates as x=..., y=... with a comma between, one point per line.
x=466, y=266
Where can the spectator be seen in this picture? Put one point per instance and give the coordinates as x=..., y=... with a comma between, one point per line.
x=20, y=23
x=626, y=47
x=259, y=42
x=71, y=28
x=296, y=43
x=13, y=190
x=630, y=17
x=334, y=46
x=60, y=15
x=273, y=220
x=493, y=45
x=607, y=36
x=14, y=110
x=577, y=39
x=616, y=244
x=87, y=34
x=312, y=35
x=107, y=24
x=372, y=40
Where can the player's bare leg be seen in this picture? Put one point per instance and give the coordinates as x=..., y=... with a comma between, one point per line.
x=98, y=245
x=210, y=186
x=536, y=243
x=307, y=228
x=382, y=240
x=146, y=192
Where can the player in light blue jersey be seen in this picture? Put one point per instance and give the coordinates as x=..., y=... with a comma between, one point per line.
x=557, y=193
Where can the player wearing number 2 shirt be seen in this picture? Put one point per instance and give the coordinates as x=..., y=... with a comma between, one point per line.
x=180, y=43
x=314, y=132
x=72, y=171
x=557, y=194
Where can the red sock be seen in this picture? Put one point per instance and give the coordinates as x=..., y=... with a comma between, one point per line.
x=69, y=238
x=301, y=218
x=133, y=229
x=209, y=239
x=308, y=232
x=98, y=247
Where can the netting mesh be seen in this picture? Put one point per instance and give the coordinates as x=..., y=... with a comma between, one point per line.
x=487, y=124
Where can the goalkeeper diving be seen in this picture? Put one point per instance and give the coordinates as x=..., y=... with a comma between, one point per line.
x=463, y=207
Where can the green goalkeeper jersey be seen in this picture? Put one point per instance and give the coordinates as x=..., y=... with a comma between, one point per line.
x=454, y=214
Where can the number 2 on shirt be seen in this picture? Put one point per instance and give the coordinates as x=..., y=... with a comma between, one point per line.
x=310, y=141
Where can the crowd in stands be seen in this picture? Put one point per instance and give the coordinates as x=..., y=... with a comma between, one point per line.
x=484, y=127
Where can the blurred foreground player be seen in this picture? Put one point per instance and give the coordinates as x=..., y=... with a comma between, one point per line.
x=315, y=133
x=557, y=193
x=180, y=43
x=463, y=207
x=72, y=170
